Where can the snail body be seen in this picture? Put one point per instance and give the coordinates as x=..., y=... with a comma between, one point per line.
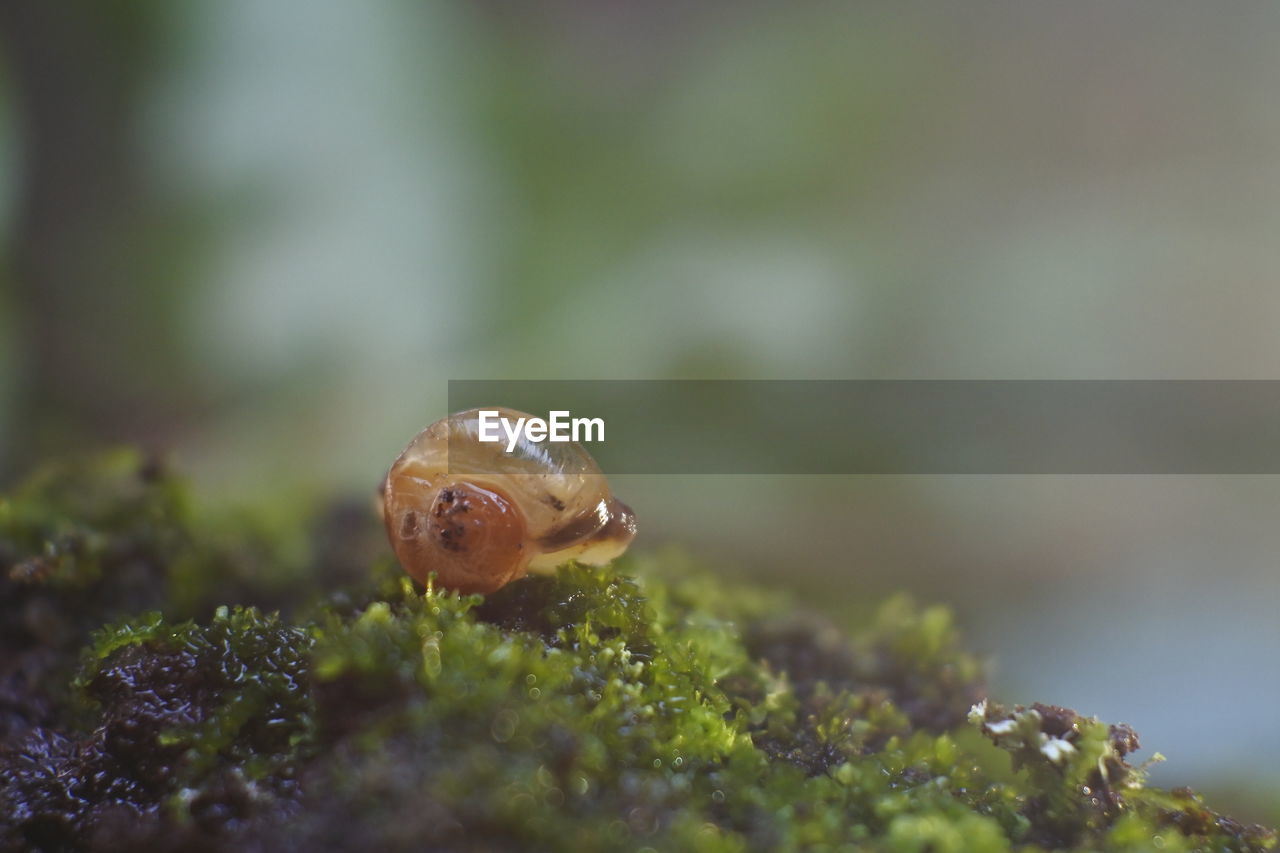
x=480, y=517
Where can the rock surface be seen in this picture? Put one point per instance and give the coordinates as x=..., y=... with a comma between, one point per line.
x=173, y=683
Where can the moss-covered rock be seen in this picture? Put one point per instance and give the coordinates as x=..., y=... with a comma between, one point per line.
x=646, y=705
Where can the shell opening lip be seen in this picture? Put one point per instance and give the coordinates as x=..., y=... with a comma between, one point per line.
x=580, y=528
x=624, y=520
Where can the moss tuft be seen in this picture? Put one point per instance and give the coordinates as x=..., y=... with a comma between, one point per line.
x=199, y=722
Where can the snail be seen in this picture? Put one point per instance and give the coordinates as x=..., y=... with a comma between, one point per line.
x=479, y=517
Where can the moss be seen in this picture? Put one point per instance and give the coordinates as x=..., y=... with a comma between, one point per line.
x=646, y=705
x=204, y=722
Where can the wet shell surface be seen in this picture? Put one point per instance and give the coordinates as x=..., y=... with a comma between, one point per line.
x=480, y=517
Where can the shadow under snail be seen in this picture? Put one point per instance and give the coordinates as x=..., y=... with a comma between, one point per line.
x=480, y=517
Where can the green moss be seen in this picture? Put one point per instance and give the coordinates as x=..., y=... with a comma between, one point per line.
x=226, y=695
x=645, y=705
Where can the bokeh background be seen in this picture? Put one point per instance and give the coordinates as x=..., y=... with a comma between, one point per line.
x=260, y=238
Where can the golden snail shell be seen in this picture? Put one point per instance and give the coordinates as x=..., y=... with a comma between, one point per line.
x=483, y=517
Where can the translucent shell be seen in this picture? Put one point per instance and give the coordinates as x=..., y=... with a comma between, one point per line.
x=480, y=517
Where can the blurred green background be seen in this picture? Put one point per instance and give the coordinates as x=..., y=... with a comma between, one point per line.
x=260, y=238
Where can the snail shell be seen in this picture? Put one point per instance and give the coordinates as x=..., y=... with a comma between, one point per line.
x=479, y=517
